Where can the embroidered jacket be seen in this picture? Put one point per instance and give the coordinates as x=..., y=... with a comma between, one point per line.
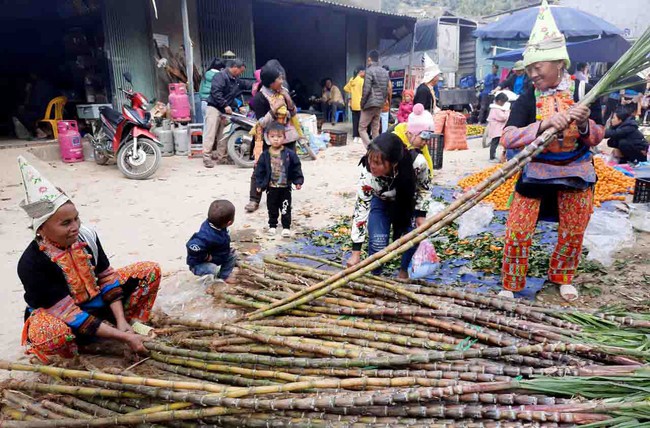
x=381, y=187
x=567, y=160
x=69, y=283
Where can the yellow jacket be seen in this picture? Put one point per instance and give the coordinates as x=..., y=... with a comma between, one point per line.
x=400, y=131
x=355, y=88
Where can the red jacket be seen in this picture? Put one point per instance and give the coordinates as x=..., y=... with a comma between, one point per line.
x=404, y=110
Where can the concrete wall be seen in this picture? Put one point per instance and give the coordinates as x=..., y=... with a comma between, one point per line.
x=632, y=16
x=170, y=24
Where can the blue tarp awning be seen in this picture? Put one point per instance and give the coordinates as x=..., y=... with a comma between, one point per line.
x=571, y=22
x=605, y=49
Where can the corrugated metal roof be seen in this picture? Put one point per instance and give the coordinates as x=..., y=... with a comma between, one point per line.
x=343, y=6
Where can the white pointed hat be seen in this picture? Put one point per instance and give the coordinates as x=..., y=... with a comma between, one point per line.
x=546, y=43
x=42, y=198
x=431, y=69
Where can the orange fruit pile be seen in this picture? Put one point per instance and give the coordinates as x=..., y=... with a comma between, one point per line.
x=612, y=185
x=499, y=198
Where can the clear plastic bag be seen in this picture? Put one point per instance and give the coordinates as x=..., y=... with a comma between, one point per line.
x=189, y=297
x=435, y=207
x=607, y=233
x=425, y=261
x=475, y=221
x=640, y=217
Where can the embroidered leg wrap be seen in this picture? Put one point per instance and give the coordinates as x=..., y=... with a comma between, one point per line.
x=47, y=335
x=137, y=306
x=575, y=209
x=519, y=237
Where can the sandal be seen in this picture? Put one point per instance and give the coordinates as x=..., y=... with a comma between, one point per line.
x=506, y=293
x=569, y=292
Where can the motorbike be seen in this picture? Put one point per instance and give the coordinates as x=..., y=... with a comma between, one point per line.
x=125, y=138
x=240, y=142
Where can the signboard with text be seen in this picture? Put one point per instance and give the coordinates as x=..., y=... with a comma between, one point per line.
x=397, y=79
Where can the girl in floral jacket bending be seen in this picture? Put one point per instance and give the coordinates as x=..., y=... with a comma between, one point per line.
x=394, y=188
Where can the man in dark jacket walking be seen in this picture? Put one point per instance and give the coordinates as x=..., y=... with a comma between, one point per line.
x=226, y=86
x=373, y=97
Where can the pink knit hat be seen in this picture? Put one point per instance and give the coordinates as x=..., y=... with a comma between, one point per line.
x=420, y=120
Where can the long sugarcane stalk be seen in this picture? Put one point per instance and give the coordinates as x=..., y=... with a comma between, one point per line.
x=431, y=374
x=246, y=349
x=440, y=339
x=66, y=389
x=356, y=333
x=15, y=414
x=90, y=408
x=111, y=405
x=64, y=410
x=80, y=374
x=29, y=404
x=284, y=351
x=161, y=408
x=174, y=415
x=255, y=374
x=282, y=341
x=236, y=380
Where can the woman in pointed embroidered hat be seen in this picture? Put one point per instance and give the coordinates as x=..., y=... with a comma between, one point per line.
x=558, y=184
x=71, y=290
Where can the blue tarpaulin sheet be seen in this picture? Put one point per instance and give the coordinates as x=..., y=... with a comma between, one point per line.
x=452, y=271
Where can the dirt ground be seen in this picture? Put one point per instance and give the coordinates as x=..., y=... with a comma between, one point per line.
x=625, y=283
x=152, y=220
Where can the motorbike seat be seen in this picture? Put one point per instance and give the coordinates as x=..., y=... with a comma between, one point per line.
x=113, y=116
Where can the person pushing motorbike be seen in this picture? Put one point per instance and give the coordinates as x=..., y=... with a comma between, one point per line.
x=226, y=87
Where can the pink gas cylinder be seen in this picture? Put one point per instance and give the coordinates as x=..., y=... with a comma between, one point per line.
x=179, y=102
x=70, y=141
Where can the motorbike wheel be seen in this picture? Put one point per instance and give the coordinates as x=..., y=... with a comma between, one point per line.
x=98, y=154
x=242, y=159
x=142, y=165
x=486, y=141
x=100, y=157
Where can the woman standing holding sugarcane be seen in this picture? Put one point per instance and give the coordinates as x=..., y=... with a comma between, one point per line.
x=558, y=183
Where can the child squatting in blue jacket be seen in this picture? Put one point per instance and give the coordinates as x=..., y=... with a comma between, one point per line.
x=208, y=250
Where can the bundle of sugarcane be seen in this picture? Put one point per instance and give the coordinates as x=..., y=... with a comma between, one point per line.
x=377, y=352
x=635, y=60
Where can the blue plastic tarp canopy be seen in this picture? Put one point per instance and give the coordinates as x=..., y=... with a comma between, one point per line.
x=571, y=22
x=605, y=49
